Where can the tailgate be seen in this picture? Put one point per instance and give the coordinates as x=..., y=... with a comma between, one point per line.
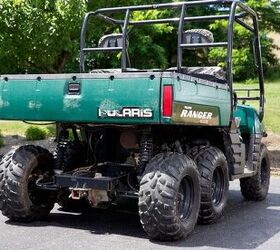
x=100, y=98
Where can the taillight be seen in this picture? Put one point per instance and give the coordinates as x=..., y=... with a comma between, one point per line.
x=167, y=100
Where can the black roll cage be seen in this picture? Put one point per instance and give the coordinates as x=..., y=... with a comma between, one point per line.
x=182, y=20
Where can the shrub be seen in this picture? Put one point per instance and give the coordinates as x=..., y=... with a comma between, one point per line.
x=35, y=133
x=1, y=140
x=51, y=130
x=273, y=74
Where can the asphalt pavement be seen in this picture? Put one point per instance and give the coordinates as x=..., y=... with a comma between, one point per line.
x=245, y=225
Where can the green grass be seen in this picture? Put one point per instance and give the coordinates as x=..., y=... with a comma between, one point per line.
x=13, y=127
x=272, y=112
x=19, y=128
x=272, y=108
x=272, y=105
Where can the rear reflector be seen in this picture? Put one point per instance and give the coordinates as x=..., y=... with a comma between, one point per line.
x=167, y=100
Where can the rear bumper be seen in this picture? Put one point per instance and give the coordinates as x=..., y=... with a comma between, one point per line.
x=70, y=181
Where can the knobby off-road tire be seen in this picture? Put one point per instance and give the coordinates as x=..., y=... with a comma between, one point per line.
x=214, y=181
x=21, y=200
x=3, y=165
x=256, y=188
x=169, y=197
x=1, y=187
x=196, y=151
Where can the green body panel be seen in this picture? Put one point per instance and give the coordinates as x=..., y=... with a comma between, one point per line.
x=249, y=120
x=214, y=96
x=46, y=98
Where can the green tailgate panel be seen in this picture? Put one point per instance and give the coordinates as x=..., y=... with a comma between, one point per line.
x=49, y=100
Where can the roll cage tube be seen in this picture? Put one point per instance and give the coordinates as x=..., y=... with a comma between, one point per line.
x=181, y=21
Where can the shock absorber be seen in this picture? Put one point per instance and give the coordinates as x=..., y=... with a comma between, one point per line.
x=146, y=151
x=63, y=140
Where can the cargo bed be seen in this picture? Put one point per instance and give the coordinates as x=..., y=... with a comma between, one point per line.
x=118, y=98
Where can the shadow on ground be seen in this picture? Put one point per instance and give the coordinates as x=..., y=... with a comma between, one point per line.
x=245, y=225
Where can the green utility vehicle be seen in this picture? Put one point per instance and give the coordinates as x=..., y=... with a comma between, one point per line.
x=171, y=138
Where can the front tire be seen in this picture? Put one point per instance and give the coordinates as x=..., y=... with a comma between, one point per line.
x=169, y=197
x=256, y=188
x=21, y=199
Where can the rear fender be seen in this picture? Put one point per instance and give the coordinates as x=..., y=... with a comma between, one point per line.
x=249, y=120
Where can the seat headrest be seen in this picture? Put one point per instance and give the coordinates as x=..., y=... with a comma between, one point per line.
x=111, y=40
x=198, y=36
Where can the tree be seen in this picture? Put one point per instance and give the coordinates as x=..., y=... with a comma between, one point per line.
x=42, y=36
x=39, y=35
x=243, y=58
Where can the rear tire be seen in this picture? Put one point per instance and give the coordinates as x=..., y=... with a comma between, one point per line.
x=256, y=188
x=169, y=197
x=213, y=168
x=5, y=161
x=21, y=200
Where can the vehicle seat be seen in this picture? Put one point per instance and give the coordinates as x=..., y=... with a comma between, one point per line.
x=114, y=71
x=213, y=74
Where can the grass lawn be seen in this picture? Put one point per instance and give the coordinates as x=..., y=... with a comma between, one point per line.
x=272, y=108
x=19, y=128
x=272, y=105
x=272, y=112
x=13, y=127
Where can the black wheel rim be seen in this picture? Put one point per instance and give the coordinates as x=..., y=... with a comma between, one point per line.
x=217, y=187
x=185, y=198
x=264, y=173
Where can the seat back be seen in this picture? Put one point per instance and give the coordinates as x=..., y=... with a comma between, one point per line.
x=111, y=41
x=198, y=36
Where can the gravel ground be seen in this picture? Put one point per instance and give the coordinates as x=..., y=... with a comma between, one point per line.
x=273, y=144
x=14, y=141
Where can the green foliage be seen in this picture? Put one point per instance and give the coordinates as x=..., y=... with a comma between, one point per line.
x=251, y=81
x=42, y=36
x=1, y=140
x=243, y=66
x=72, y=137
x=147, y=48
x=273, y=74
x=39, y=36
x=35, y=133
x=51, y=130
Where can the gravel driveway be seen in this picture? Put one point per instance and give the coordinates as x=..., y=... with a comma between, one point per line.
x=14, y=141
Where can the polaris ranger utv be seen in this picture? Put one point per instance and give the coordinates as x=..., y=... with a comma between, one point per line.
x=171, y=138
